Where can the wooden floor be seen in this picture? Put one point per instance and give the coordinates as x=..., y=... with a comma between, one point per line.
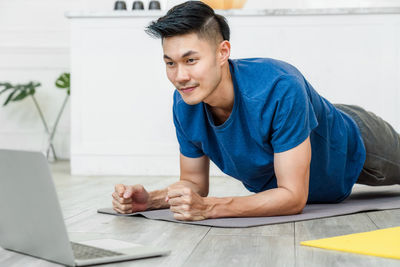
x=191, y=245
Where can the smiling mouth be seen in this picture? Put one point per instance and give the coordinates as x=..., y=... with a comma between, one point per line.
x=187, y=89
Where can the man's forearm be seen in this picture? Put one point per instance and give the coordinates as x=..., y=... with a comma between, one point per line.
x=157, y=200
x=273, y=202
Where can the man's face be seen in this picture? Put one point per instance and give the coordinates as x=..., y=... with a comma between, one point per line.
x=192, y=66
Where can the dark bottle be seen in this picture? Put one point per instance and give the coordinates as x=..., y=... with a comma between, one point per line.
x=154, y=4
x=120, y=5
x=138, y=5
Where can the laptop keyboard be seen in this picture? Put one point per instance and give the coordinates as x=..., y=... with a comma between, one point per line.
x=83, y=252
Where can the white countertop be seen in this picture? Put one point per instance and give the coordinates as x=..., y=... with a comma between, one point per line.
x=239, y=12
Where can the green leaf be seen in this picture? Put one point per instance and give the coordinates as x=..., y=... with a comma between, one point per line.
x=63, y=81
x=36, y=84
x=21, y=95
x=19, y=91
x=6, y=85
x=5, y=89
x=9, y=97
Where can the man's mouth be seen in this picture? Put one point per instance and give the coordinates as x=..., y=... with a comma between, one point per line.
x=187, y=89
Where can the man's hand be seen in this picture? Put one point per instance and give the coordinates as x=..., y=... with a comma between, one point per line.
x=130, y=198
x=186, y=204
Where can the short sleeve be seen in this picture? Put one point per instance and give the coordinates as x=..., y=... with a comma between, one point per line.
x=186, y=147
x=294, y=116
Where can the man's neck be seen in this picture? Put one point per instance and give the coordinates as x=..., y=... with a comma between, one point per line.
x=221, y=101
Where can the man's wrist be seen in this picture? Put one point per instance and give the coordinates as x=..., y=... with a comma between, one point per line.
x=217, y=207
x=157, y=200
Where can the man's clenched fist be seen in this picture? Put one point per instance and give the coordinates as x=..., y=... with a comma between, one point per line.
x=130, y=198
x=186, y=204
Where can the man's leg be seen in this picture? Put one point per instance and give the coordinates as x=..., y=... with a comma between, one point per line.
x=382, y=144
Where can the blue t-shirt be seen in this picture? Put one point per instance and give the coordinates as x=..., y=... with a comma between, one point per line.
x=275, y=109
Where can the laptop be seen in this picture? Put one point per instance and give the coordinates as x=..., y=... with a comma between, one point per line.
x=31, y=221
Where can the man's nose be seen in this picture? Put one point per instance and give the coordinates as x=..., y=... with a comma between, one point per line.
x=182, y=75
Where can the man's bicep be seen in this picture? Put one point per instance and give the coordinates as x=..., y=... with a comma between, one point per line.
x=195, y=170
x=292, y=169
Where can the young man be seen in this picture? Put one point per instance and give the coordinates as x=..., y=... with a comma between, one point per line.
x=261, y=122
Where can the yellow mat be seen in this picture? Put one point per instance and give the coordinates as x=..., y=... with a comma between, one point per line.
x=381, y=243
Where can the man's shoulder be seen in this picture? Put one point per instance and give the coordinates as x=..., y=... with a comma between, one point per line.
x=271, y=66
x=257, y=78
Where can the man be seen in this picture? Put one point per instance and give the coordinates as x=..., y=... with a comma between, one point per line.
x=261, y=122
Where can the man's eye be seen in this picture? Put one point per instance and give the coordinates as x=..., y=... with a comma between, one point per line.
x=191, y=60
x=169, y=63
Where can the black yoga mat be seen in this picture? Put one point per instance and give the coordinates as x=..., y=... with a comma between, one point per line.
x=363, y=198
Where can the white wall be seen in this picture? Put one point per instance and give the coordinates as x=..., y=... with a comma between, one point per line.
x=34, y=45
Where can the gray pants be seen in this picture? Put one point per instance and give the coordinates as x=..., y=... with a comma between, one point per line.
x=382, y=144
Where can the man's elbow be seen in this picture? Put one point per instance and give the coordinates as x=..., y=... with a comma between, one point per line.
x=295, y=202
x=202, y=190
x=299, y=205
x=203, y=193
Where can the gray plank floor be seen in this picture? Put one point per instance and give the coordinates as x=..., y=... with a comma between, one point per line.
x=191, y=245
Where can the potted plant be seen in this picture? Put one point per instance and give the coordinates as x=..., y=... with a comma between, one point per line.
x=18, y=92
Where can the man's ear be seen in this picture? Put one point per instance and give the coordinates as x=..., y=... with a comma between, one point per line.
x=223, y=51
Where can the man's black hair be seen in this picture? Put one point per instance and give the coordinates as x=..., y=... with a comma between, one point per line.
x=191, y=17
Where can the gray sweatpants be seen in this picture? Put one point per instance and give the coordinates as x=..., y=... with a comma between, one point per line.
x=382, y=144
